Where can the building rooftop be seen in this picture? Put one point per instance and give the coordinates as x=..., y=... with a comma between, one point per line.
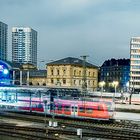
x=71, y=61
x=38, y=73
x=116, y=62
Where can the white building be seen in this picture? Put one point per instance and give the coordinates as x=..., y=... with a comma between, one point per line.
x=135, y=63
x=24, y=45
x=3, y=41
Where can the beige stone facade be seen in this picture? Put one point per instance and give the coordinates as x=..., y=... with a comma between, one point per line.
x=71, y=76
x=67, y=72
x=37, y=81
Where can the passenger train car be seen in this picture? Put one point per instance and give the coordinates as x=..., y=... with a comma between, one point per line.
x=52, y=101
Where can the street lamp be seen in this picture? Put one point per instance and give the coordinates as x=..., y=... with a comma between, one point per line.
x=101, y=84
x=115, y=84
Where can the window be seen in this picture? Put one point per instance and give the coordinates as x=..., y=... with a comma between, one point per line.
x=74, y=72
x=89, y=82
x=52, y=81
x=79, y=73
x=79, y=82
x=93, y=83
x=58, y=80
x=40, y=106
x=59, y=107
x=64, y=71
x=64, y=81
x=82, y=109
x=58, y=72
x=100, y=108
x=89, y=73
x=74, y=82
x=66, y=108
x=93, y=74
x=52, y=72
x=44, y=84
x=74, y=109
x=89, y=110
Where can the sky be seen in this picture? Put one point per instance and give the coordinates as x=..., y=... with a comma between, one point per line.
x=100, y=29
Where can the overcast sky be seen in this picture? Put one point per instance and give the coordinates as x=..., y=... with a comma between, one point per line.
x=99, y=28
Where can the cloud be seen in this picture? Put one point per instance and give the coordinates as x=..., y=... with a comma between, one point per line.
x=74, y=27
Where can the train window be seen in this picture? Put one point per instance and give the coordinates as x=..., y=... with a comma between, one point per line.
x=100, y=108
x=89, y=110
x=82, y=109
x=66, y=108
x=75, y=109
x=72, y=109
x=49, y=106
x=59, y=107
x=40, y=106
x=34, y=105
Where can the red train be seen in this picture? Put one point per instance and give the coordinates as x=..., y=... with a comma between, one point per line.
x=41, y=103
x=84, y=109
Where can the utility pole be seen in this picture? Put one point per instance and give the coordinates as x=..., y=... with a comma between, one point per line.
x=84, y=79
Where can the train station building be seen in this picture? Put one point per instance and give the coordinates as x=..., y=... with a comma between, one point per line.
x=68, y=72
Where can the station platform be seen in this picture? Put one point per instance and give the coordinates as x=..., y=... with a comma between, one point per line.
x=127, y=108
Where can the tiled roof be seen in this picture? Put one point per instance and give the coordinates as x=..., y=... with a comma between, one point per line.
x=71, y=61
x=38, y=73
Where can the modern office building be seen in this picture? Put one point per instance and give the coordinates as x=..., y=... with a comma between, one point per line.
x=135, y=63
x=3, y=41
x=115, y=70
x=24, y=45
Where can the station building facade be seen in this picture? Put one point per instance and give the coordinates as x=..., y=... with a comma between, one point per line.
x=68, y=72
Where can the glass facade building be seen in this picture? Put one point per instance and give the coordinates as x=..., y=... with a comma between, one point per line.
x=24, y=45
x=135, y=63
x=3, y=41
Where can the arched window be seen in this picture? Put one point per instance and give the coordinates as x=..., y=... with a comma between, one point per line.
x=74, y=72
x=51, y=71
x=44, y=84
x=30, y=83
x=58, y=72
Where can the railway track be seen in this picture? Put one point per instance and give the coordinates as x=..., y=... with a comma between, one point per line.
x=67, y=121
x=117, y=130
x=38, y=133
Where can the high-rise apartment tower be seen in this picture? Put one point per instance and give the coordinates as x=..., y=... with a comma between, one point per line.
x=135, y=63
x=24, y=45
x=3, y=41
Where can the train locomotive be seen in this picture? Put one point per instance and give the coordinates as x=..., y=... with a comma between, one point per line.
x=55, y=101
